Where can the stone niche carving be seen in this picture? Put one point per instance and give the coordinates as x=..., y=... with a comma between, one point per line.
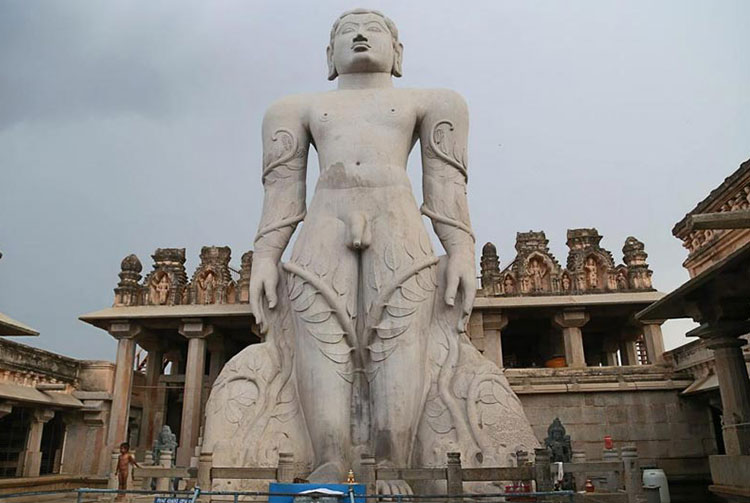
x=590, y=268
x=212, y=281
x=165, y=285
x=365, y=349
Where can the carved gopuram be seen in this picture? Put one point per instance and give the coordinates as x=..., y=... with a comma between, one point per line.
x=189, y=328
x=534, y=313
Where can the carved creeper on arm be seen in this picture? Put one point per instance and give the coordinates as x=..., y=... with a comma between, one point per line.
x=443, y=136
x=285, y=145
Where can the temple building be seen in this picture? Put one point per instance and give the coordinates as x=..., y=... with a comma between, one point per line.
x=716, y=234
x=536, y=313
x=189, y=329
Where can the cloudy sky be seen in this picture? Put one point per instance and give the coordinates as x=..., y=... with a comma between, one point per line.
x=127, y=126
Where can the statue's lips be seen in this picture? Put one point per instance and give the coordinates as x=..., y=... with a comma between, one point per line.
x=360, y=47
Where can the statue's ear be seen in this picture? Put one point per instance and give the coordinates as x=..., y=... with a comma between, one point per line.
x=398, y=56
x=332, y=73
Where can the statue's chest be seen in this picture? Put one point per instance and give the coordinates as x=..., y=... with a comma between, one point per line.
x=380, y=117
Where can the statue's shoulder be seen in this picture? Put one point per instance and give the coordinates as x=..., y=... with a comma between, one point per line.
x=441, y=99
x=291, y=106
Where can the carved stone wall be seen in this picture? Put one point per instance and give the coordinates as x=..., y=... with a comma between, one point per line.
x=589, y=268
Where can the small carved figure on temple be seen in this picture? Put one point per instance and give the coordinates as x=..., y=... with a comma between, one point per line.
x=207, y=286
x=166, y=440
x=592, y=276
x=525, y=284
x=160, y=289
x=622, y=281
x=508, y=285
x=566, y=283
x=538, y=271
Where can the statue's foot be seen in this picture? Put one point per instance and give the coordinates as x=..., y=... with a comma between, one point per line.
x=331, y=472
x=394, y=487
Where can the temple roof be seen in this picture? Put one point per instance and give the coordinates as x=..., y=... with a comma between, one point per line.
x=9, y=326
x=719, y=193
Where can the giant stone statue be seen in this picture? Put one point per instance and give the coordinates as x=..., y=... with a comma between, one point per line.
x=365, y=350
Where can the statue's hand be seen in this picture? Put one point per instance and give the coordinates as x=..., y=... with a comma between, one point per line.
x=264, y=279
x=460, y=277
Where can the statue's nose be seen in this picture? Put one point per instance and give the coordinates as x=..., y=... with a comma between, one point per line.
x=359, y=38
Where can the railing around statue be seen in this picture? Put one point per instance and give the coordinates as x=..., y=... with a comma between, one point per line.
x=618, y=481
x=85, y=495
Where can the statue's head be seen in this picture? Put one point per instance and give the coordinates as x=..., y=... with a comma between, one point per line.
x=363, y=41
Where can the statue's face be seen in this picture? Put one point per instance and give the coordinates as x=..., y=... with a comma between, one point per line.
x=363, y=44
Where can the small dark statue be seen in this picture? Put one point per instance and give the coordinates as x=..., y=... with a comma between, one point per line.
x=558, y=443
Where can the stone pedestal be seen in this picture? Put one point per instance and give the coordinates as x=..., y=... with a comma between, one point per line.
x=32, y=455
x=571, y=322
x=196, y=332
x=654, y=343
x=165, y=461
x=125, y=333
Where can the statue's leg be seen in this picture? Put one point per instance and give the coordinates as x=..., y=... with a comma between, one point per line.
x=400, y=272
x=323, y=289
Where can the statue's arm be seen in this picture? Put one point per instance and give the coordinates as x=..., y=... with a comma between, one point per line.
x=285, y=144
x=443, y=134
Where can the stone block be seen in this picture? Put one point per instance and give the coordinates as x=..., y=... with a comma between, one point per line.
x=709, y=446
x=657, y=413
x=637, y=413
x=616, y=414
x=675, y=414
x=593, y=415
x=593, y=450
x=570, y=415
x=682, y=449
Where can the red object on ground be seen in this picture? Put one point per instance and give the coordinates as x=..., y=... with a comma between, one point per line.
x=608, y=444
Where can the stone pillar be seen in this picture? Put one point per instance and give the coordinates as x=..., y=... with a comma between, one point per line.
x=571, y=321
x=654, y=343
x=196, y=331
x=32, y=454
x=150, y=396
x=629, y=352
x=494, y=323
x=734, y=387
x=125, y=333
x=217, y=357
x=610, y=348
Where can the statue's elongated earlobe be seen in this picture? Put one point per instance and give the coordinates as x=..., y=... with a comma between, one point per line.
x=332, y=73
x=398, y=55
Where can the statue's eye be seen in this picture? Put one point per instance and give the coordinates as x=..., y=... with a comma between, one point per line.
x=346, y=30
x=374, y=28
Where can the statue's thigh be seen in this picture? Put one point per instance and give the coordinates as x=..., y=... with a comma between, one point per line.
x=322, y=286
x=399, y=287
